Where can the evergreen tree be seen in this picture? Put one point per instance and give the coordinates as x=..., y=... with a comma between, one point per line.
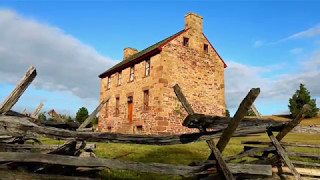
x=300, y=98
x=227, y=113
x=82, y=115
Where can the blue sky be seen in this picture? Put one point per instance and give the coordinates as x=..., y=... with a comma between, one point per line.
x=269, y=44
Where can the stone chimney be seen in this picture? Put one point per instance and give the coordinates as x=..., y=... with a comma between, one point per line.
x=193, y=21
x=127, y=52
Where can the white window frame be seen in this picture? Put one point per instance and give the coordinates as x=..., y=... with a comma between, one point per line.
x=147, y=68
x=131, y=77
x=119, y=78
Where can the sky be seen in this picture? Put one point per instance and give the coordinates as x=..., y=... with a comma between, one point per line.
x=274, y=45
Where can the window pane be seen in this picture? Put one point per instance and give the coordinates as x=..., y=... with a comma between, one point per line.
x=147, y=72
x=119, y=79
x=185, y=41
x=131, y=74
x=146, y=100
x=117, y=106
x=205, y=48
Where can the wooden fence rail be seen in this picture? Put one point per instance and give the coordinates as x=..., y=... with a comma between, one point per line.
x=127, y=165
x=22, y=126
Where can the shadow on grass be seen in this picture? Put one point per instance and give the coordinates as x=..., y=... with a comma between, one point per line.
x=176, y=155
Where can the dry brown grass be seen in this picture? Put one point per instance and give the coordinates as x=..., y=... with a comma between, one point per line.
x=304, y=122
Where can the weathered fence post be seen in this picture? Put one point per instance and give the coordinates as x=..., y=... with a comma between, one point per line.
x=256, y=112
x=35, y=113
x=292, y=124
x=281, y=152
x=93, y=114
x=222, y=164
x=18, y=91
x=183, y=99
x=55, y=115
x=243, y=108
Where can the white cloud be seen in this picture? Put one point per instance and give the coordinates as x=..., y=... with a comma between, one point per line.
x=239, y=79
x=307, y=33
x=296, y=50
x=313, y=65
x=257, y=43
x=63, y=63
x=315, y=31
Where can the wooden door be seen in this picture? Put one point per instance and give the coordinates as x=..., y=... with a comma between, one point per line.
x=130, y=108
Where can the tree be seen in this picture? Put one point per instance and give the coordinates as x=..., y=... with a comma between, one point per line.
x=50, y=120
x=42, y=116
x=300, y=98
x=227, y=113
x=94, y=122
x=82, y=115
x=66, y=118
x=250, y=113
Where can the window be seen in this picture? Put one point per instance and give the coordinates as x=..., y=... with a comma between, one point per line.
x=185, y=42
x=119, y=78
x=109, y=82
x=139, y=128
x=146, y=100
x=117, y=106
x=205, y=48
x=147, y=73
x=131, y=73
x=107, y=110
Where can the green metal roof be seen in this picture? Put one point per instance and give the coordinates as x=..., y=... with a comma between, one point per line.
x=121, y=65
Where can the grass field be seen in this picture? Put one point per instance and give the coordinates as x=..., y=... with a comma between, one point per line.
x=178, y=154
x=304, y=122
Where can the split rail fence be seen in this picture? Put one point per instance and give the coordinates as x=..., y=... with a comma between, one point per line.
x=75, y=157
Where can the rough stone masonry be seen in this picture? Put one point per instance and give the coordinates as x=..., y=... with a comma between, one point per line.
x=142, y=98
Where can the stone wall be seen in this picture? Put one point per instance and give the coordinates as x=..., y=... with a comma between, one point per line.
x=146, y=119
x=200, y=75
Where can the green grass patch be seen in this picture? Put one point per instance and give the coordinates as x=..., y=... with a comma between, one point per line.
x=181, y=154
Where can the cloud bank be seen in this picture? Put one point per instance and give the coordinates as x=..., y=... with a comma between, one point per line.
x=315, y=31
x=240, y=78
x=63, y=63
x=311, y=32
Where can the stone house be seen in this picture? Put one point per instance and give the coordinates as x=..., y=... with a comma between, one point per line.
x=142, y=98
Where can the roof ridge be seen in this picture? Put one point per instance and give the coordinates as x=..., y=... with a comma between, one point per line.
x=151, y=49
x=147, y=52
